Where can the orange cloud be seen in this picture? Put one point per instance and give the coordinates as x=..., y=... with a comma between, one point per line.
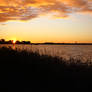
x=29, y=9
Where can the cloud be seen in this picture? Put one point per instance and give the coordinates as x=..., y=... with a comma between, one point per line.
x=29, y=9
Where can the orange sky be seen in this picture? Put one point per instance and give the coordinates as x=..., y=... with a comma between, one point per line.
x=46, y=20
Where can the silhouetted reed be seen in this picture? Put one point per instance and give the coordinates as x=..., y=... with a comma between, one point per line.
x=34, y=57
x=43, y=71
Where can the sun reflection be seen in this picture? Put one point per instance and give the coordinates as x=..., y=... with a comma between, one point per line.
x=13, y=42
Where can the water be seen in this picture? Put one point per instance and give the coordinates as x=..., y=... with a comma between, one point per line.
x=66, y=51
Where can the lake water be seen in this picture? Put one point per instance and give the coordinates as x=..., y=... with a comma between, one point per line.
x=66, y=51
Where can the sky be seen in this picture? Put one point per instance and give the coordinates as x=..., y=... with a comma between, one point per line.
x=46, y=20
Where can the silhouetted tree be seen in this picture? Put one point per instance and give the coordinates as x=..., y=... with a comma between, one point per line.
x=10, y=41
x=2, y=41
x=25, y=42
x=18, y=42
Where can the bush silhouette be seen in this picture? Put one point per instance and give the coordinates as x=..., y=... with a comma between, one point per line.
x=37, y=72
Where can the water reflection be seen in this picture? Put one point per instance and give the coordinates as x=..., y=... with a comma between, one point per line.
x=76, y=51
x=13, y=46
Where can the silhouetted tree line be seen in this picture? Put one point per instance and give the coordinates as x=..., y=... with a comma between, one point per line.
x=2, y=41
x=23, y=42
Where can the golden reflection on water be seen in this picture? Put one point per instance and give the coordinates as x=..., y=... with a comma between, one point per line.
x=13, y=46
x=66, y=51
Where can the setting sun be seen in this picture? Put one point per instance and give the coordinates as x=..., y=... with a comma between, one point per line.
x=13, y=41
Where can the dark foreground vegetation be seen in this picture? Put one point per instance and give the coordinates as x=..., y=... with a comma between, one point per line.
x=28, y=72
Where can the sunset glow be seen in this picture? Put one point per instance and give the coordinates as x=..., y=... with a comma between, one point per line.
x=14, y=41
x=46, y=20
